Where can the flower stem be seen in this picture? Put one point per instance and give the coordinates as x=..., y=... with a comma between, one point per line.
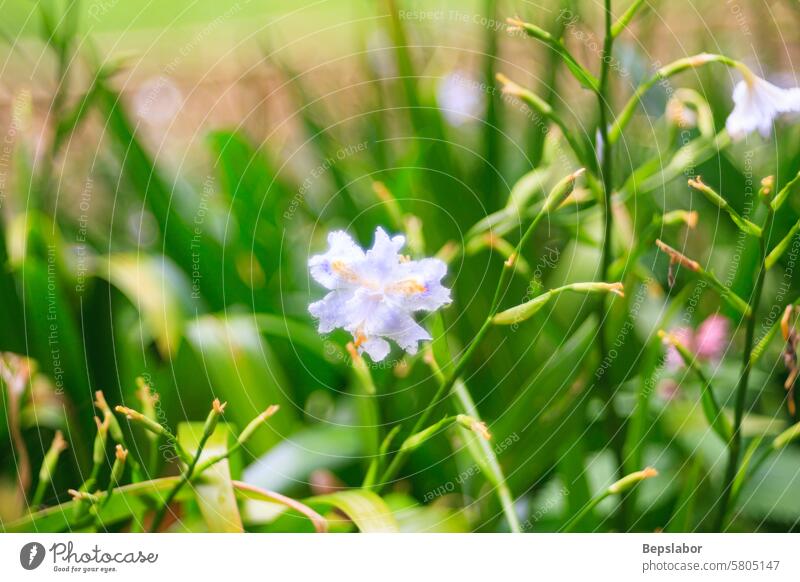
x=554, y=198
x=443, y=390
x=606, y=388
x=735, y=443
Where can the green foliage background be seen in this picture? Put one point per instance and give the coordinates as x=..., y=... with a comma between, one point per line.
x=178, y=253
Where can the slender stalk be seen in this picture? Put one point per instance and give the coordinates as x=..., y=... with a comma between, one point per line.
x=735, y=443
x=212, y=420
x=442, y=391
x=613, y=422
x=185, y=478
x=554, y=198
x=619, y=487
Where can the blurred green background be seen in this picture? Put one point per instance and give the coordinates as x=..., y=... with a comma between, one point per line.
x=168, y=168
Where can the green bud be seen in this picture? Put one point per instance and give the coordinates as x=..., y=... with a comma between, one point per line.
x=118, y=468
x=141, y=419
x=786, y=436
x=523, y=311
x=100, y=440
x=217, y=408
x=713, y=197
x=113, y=425
x=51, y=457
x=677, y=217
x=561, y=190
x=256, y=422
x=629, y=481
x=784, y=192
x=416, y=439
x=530, y=308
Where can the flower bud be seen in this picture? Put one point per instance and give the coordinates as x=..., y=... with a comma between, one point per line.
x=120, y=456
x=561, y=190
x=99, y=451
x=787, y=436
x=139, y=418
x=474, y=425
x=629, y=481
x=217, y=408
x=530, y=308
x=113, y=425
x=256, y=422
x=51, y=457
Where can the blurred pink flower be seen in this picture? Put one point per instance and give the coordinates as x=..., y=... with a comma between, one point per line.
x=708, y=342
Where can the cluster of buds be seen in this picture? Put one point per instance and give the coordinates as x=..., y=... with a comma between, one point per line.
x=790, y=353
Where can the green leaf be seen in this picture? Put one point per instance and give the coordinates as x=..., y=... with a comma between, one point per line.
x=415, y=518
x=776, y=253
x=480, y=450
x=213, y=490
x=364, y=508
x=151, y=284
x=711, y=409
x=190, y=245
x=322, y=446
x=683, y=519
x=244, y=372
x=256, y=196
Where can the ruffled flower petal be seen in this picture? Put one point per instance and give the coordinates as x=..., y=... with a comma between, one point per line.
x=376, y=348
x=338, y=267
x=384, y=256
x=331, y=311
x=375, y=294
x=397, y=325
x=421, y=288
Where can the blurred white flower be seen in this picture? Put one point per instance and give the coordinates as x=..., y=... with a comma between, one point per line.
x=756, y=105
x=158, y=100
x=373, y=294
x=460, y=99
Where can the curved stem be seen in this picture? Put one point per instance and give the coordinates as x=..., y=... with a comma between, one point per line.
x=735, y=443
x=663, y=73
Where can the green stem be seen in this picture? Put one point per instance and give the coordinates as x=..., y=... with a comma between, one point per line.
x=606, y=388
x=442, y=391
x=554, y=198
x=185, y=478
x=735, y=443
x=587, y=509
x=38, y=496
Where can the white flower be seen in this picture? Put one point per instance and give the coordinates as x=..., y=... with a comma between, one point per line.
x=756, y=105
x=373, y=294
x=459, y=98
